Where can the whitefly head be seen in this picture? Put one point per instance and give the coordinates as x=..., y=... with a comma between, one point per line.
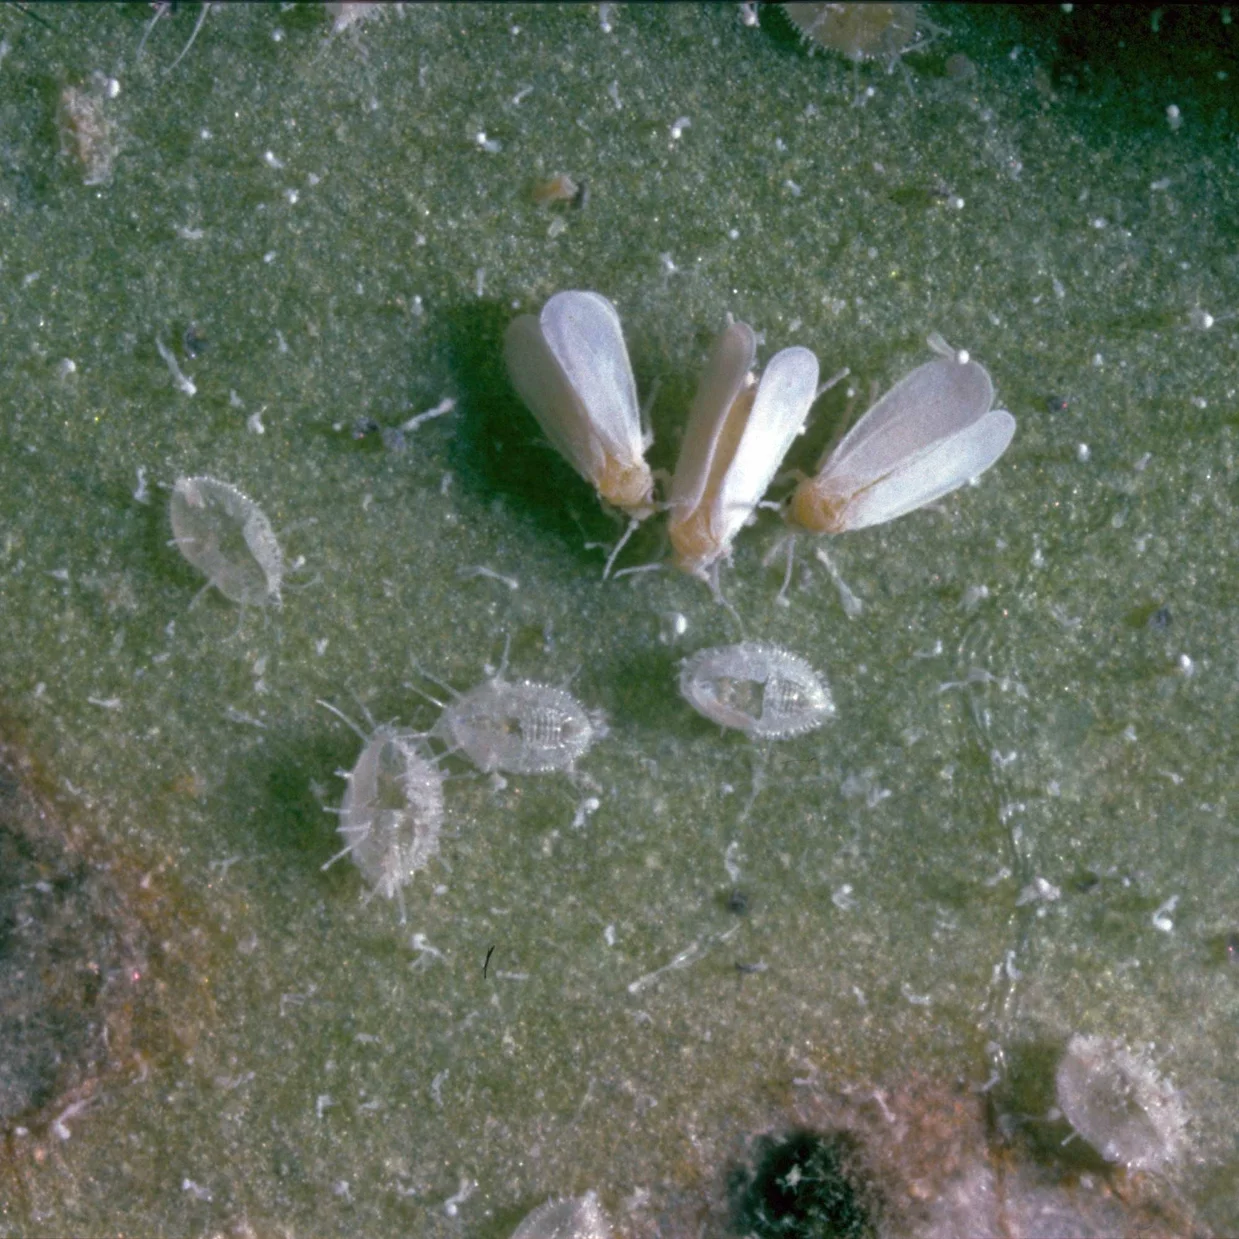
x=931, y=433
x=739, y=429
x=579, y=1218
x=520, y=727
x=1119, y=1103
x=227, y=536
x=570, y=366
x=756, y=688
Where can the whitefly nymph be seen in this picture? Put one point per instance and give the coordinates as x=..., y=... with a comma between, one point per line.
x=579, y=1218
x=227, y=536
x=392, y=812
x=739, y=430
x=519, y=726
x=569, y=364
x=932, y=432
x=756, y=688
x=1118, y=1102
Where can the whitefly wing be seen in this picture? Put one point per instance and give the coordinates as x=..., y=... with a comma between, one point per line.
x=780, y=407
x=582, y=330
x=704, y=449
x=933, y=403
x=935, y=471
x=544, y=387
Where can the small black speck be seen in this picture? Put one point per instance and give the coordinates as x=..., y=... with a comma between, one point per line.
x=580, y=200
x=1087, y=881
x=364, y=426
x=1159, y=621
x=1057, y=404
x=737, y=903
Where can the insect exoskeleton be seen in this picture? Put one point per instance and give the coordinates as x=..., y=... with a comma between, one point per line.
x=1118, y=1102
x=579, y=1218
x=519, y=726
x=226, y=535
x=570, y=366
x=392, y=811
x=932, y=432
x=756, y=688
x=739, y=430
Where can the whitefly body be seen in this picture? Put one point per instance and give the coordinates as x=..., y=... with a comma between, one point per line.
x=931, y=433
x=227, y=536
x=579, y=1218
x=520, y=727
x=756, y=688
x=739, y=429
x=1119, y=1103
x=392, y=812
x=570, y=366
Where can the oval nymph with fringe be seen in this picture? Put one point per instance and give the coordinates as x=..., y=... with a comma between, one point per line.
x=756, y=688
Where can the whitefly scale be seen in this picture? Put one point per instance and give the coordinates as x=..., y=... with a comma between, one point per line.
x=520, y=727
x=392, y=811
x=227, y=536
x=579, y=1218
x=756, y=688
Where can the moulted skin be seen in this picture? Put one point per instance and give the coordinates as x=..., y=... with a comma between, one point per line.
x=756, y=688
x=392, y=810
x=1117, y=1101
x=579, y=1218
x=226, y=535
x=521, y=727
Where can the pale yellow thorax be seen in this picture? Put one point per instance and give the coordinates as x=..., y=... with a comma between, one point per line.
x=817, y=510
x=629, y=487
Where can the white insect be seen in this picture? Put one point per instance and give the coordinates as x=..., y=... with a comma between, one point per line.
x=392, y=810
x=932, y=432
x=570, y=366
x=756, y=688
x=578, y=1218
x=1120, y=1104
x=519, y=726
x=738, y=432
x=226, y=535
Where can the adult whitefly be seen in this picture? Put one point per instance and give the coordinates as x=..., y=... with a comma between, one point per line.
x=227, y=536
x=1119, y=1103
x=520, y=727
x=392, y=812
x=756, y=688
x=570, y=366
x=579, y=1218
x=929, y=435
x=739, y=429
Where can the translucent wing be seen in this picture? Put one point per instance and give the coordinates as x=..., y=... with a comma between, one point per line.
x=542, y=385
x=934, y=402
x=730, y=361
x=780, y=407
x=582, y=331
x=934, y=471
